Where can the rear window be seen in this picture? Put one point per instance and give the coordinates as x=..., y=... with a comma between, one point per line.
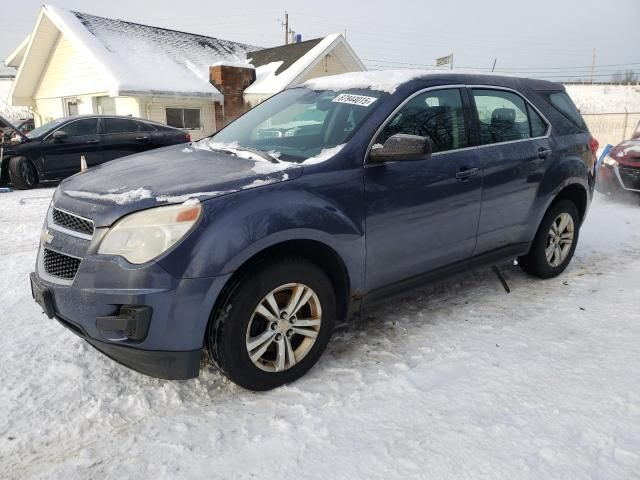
x=145, y=127
x=563, y=103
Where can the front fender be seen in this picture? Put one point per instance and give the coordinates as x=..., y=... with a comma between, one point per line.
x=238, y=226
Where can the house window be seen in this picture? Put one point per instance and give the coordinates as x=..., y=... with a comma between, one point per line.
x=188, y=118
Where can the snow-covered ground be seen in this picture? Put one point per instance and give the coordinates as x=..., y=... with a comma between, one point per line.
x=459, y=381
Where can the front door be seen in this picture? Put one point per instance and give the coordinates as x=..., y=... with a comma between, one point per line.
x=422, y=215
x=514, y=154
x=62, y=155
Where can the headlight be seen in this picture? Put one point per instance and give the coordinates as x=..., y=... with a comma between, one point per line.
x=610, y=162
x=142, y=236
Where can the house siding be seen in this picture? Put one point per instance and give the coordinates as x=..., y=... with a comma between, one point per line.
x=48, y=109
x=328, y=65
x=128, y=106
x=155, y=109
x=70, y=73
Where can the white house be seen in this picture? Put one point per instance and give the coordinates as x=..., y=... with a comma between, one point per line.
x=75, y=63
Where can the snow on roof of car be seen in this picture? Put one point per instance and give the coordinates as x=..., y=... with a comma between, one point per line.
x=147, y=59
x=384, y=80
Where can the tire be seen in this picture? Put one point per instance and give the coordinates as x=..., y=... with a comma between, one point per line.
x=536, y=261
x=238, y=328
x=23, y=173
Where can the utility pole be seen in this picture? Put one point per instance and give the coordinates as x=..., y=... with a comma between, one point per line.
x=593, y=64
x=286, y=28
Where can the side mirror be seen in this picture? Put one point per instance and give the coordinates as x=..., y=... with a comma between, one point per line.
x=401, y=147
x=59, y=135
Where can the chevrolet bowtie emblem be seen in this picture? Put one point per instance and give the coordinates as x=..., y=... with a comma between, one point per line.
x=46, y=237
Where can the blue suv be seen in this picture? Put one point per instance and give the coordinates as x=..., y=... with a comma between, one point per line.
x=253, y=244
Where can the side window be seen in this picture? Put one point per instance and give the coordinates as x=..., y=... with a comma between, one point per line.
x=538, y=127
x=563, y=103
x=87, y=126
x=119, y=125
x=188, y=118
x=437, y=114
x=502, y=115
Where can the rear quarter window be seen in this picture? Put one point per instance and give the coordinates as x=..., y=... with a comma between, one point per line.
x=563, y=104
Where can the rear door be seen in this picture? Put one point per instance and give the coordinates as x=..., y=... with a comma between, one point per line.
x=62, y=156
x=514, y=151
x=422, y=215
x=122, y=137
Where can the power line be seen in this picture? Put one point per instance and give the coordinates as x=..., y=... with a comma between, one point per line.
x=509, y=69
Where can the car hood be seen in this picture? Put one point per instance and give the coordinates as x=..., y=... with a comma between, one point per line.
x=627, y=153
x=164, y=176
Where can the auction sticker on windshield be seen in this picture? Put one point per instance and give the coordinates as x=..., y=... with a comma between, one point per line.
x=361, y=100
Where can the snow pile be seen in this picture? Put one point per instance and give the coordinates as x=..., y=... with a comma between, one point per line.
x=6, y=109
x=141, y=58
x=605, y=98
x=324, y=155
x=121, y=198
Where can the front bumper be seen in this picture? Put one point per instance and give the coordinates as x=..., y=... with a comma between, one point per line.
x=104, y=287
x=172, y=346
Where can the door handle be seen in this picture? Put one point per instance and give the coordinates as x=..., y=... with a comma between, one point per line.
x=92, y=141
x=142, y=139
x=464, y=173
x=544, y=152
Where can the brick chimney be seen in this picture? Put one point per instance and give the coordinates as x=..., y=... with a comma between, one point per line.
x=231, y=80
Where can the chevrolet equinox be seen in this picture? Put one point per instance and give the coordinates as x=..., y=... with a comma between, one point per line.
x=252, y=244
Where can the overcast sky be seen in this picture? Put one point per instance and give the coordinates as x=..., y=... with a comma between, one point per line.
x=542, y=38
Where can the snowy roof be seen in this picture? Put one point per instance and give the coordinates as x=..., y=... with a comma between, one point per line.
x=7, y=110
x=287, y=55
x=279, y=68
x=146, y=59
x=7, y=72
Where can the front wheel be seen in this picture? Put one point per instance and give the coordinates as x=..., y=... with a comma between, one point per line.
x=554, y=243
x=274, y=325
x=22, y=173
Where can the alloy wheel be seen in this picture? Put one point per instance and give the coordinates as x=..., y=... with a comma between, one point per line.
x=283, y=327
x=28, y=173
x=559, y=239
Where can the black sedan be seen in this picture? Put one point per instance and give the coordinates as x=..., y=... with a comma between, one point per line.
x=54, y=150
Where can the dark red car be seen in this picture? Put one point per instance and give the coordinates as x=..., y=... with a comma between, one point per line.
x=620, y=170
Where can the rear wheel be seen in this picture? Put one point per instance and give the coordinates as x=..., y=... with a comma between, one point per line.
x=554, y=243
x=22, y=173
x=274, y=325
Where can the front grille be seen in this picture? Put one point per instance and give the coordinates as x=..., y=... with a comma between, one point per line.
x=72, y=222
x=59, y=265
x=630, y=177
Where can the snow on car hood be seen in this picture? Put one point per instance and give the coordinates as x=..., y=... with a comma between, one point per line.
x=169, y=175
x=627, y=153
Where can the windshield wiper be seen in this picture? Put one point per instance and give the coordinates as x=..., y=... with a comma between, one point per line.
x=260, y=153
x=233, y=149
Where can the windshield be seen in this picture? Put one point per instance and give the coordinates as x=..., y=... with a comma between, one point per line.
x=42, y=129
x=299, y=123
